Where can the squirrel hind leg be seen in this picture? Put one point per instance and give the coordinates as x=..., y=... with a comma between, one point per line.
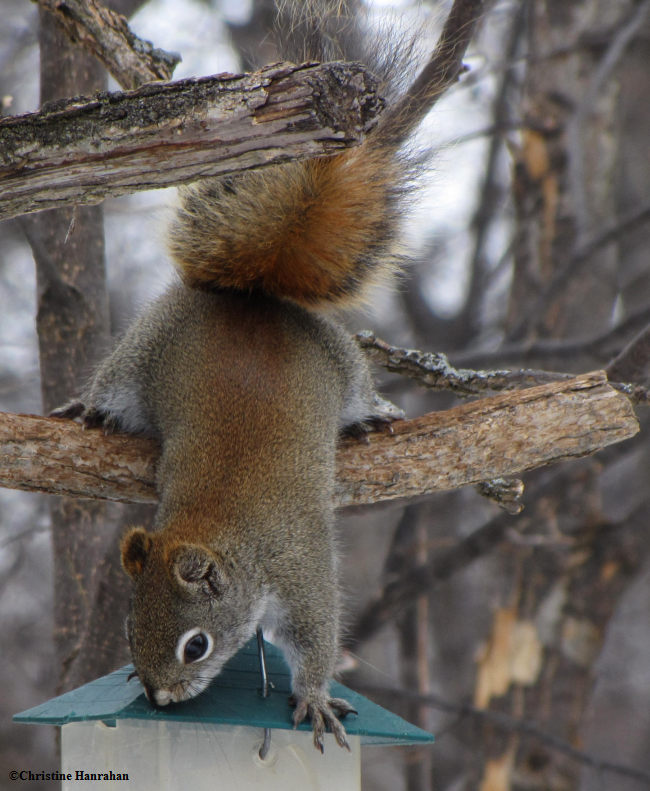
x=379, y=417
x=89, y=417
x=69, y=411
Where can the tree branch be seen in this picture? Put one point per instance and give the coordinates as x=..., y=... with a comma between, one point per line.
x=169, y=133
x=574, y=267
x=443, y=70
x=106, y=35
x=433, y=369
x=600, y=347
x=494, y=437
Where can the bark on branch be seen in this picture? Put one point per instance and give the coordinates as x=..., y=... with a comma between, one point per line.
x=498, y=436
x=77, y=152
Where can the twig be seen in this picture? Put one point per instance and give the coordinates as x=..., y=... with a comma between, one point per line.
x=632, y=364
x=25, y=534
x=442, y=70
x=600, y=347
x=433, y=369
x=106, y=34
x=9, y=574
x=401, y=591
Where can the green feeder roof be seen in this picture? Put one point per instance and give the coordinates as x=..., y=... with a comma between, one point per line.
x=233, y=698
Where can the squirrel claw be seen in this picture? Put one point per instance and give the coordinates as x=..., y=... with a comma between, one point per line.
x=342, y=707
x=69, y=411
x=374, y=423
x=90, y=416
x=324, y=713
x=96, y=418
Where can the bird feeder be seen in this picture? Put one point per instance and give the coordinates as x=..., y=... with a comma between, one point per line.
x=238, y=734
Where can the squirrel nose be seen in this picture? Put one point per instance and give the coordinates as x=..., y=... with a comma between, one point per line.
x=157, y=698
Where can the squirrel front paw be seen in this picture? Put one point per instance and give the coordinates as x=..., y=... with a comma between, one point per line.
x=324, y=712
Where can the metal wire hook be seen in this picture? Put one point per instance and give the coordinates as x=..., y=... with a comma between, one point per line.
x=266, y=744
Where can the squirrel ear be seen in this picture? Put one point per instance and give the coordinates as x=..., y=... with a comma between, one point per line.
x=195, y=567
x=135, y=548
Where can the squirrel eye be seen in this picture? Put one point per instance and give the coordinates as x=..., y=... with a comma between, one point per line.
x=195, y=648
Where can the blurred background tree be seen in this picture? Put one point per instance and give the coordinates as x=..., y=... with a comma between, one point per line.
x=530, y=240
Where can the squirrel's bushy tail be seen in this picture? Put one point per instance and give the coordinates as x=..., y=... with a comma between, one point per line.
x=317, y=231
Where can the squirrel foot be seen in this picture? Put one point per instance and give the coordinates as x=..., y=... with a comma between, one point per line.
x=70, y=411
x=381, y=419
x=361, y=429
x=90, y=416
x=323, y=712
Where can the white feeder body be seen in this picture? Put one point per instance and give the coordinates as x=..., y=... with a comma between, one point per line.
x=175, y=756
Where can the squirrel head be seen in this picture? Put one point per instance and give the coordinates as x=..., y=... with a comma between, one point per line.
x=189, y=614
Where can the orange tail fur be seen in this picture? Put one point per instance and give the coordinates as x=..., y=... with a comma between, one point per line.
x=317, y=231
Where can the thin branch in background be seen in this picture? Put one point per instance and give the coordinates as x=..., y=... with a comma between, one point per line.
x=511, y=724
x=488, y=203
x=402, y=591
x=29, y=533
x=491, y=130
x=9, y=574
x=576, y=264
x=621, y=40
x=107, y=36
x=632, y=364
x=600, y=347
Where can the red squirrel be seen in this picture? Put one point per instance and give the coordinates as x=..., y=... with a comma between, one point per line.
x=246, y=381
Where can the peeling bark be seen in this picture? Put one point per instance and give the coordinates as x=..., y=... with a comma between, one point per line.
x=81, y=151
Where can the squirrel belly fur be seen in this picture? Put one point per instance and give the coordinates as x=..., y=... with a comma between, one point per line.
x=246, y=382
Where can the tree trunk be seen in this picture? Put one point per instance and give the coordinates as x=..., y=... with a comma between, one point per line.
x=73, y=324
